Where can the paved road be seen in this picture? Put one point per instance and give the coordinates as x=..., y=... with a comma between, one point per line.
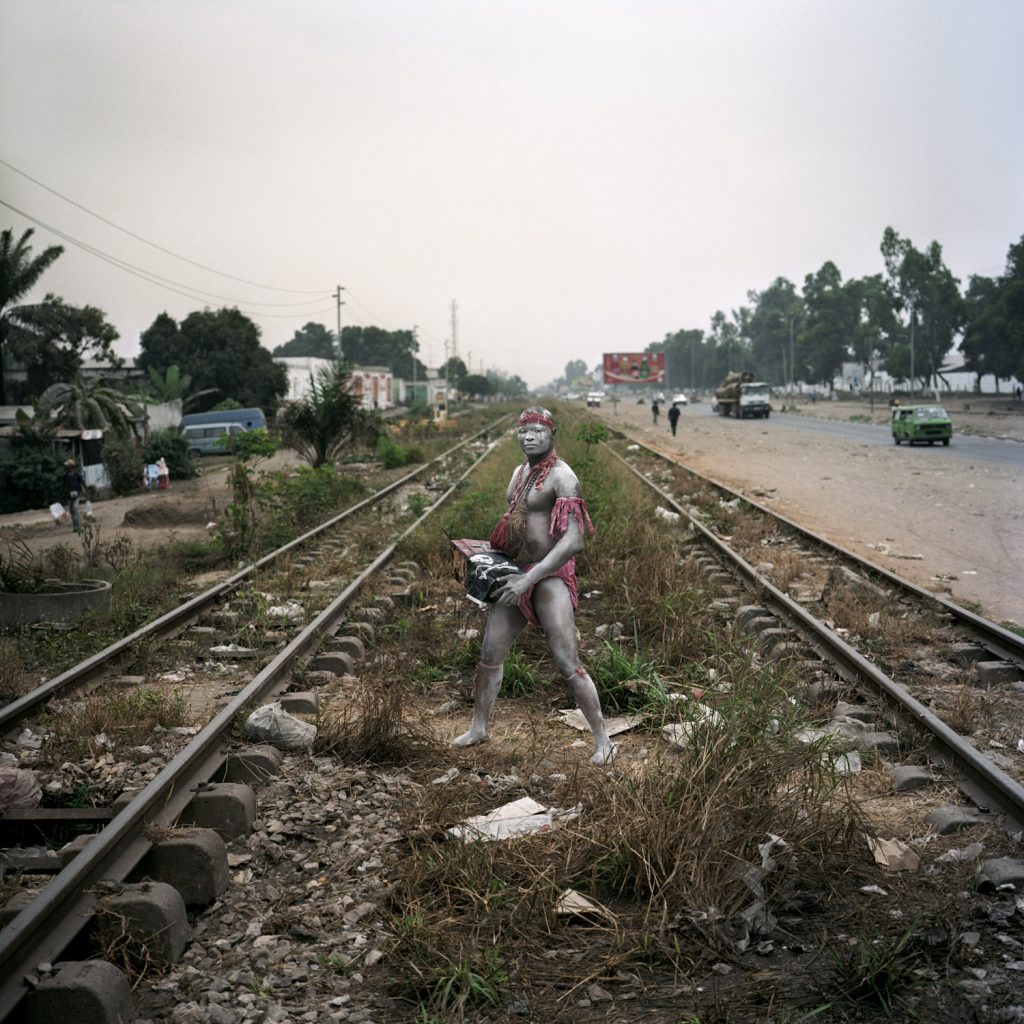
x=962, y=446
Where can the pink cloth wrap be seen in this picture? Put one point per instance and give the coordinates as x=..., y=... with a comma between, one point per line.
x=558, y=524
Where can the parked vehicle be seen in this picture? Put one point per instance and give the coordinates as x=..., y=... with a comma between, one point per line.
x=679, y=398
x=594, y=397
x=929, y=423
x=205, y=431
x=249, y=419
x=208, y=438
x=741, y=396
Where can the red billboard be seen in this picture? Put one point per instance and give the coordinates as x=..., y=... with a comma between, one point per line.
x=634, y=367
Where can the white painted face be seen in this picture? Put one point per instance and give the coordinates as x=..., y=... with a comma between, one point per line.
x=534, y=438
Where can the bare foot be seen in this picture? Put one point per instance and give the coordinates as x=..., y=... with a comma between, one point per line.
x=605, y=755
x=471, y=738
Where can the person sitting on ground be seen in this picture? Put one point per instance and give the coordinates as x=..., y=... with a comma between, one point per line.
x=542, y=531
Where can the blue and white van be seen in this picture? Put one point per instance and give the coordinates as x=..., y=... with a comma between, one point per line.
x=204, y=431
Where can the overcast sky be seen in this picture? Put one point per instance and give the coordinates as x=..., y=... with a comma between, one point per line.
x=579, y=176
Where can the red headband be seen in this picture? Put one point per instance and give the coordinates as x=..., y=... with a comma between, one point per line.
x=536, y=417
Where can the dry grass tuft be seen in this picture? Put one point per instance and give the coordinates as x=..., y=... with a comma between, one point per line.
x=370, y=723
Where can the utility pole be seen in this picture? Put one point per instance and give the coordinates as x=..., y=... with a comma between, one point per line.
x=913, y=318
x=337, y=297
x=415, y=347
x=455, y=332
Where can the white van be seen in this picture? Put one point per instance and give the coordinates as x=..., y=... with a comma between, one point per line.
x=206, y=438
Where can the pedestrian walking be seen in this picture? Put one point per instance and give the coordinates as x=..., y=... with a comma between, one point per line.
x=673, y=418
x=163, y=474
x=654, y=411
x=74, y=490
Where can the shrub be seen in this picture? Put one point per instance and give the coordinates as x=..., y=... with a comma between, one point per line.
x=30, y=477
x=124, y=464
x=390, y=452
x=173, y=448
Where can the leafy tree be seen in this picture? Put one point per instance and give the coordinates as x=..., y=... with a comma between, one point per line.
x=877, y=323
x=220, y=350
x=329, y=419
x=89, y=404
x=30, y=476
x=832, y=321
x=476, y=384
x=928, y=296
x=729, y=342
x=19, y=271
x=501, y=384
x=312, y=340
x=574, y=370
x=776, y=311
x=53, y=339
x=374, y=346
x=986, y=335
x=454, y=370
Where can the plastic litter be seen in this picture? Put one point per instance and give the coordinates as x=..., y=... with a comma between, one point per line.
x=272, y=724
x=518, y=818
x=19, y=787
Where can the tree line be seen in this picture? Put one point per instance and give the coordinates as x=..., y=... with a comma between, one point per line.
x=904, y=320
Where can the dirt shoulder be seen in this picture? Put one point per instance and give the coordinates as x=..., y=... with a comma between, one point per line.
x=955, y=529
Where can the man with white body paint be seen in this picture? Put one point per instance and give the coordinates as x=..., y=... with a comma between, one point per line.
x=542, y=531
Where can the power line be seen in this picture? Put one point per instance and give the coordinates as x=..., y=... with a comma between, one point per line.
x=160, y=248
x=188, y=291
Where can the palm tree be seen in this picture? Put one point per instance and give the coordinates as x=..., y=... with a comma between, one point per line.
x=84, y=404
x=19, y=271
x=174, y=386
x=329, y=419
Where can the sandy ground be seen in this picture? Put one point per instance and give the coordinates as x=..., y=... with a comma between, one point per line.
x=148, y=518
x=954, y=527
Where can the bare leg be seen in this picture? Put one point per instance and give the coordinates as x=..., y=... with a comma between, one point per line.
x=503, y=626
x=486, y=685
x=554, y=609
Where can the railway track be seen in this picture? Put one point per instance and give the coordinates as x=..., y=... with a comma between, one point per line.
x=819, y=592
x=326, y=921
x=350, y=549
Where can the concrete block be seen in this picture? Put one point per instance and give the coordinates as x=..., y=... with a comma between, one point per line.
x=229, y=808
x=15, y=905
x=384, y=601
x=194, y=861
x=750, y=611
x=907, y=777
x=783, y=651
x=949, y=819
x=997, y=672
x=405, y=598
x=352, y=645
x=300, y=702
x=364, y=629
x=251, y=765
x=967, y=654
x=205, y=636
x=1000, y=871
x=414, y=567
x=374, y=616
x=772, y=637
x=154, y=914
x=759, y=624
x=884, y=742
x=336, y=662
x=859, y=711
x=86, y=992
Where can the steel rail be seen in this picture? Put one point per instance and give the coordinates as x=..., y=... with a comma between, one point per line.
x=187, y=612
x=982, y=776
x=1000, y=640
x=41, y=932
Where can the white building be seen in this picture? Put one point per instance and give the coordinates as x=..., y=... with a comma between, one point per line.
x=371, y=384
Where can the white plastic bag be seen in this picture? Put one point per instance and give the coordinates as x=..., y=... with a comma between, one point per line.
x=87, y=508
x=19, y=787
x=58, y=512
x=272, y=724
